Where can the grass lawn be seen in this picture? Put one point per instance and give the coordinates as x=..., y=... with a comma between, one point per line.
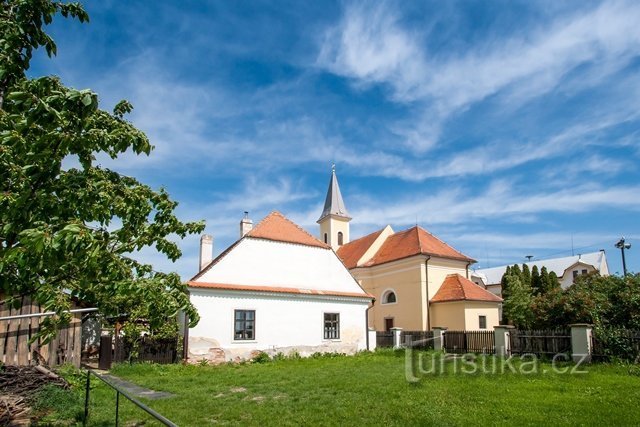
x=368, y=389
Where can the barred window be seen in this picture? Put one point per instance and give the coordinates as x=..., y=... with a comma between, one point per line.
x=331, y=326
x=245, y=325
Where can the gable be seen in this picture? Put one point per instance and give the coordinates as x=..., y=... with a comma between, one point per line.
x=268, y=263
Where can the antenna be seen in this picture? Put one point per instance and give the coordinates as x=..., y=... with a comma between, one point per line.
x=572, y=254
x=528, y=257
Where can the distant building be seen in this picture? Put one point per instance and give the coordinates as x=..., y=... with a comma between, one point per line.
x=566, y=268
x=417, y=279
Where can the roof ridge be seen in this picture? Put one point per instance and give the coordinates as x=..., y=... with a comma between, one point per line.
x=277, y=214
x=364, y=237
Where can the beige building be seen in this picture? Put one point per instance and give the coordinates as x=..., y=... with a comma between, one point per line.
x=418, y=280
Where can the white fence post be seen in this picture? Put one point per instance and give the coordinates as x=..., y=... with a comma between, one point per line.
x=373, y=339
x=581, y=339
x=438, y=337
x=397, y=337
x=503, y=340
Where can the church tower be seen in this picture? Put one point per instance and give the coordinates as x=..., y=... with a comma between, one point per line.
x=334, y=221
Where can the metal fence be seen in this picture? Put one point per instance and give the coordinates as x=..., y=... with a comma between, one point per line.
x=384, y=339
x=541, y=342
x=119, y=392
x=417, y=339
x=469, y=342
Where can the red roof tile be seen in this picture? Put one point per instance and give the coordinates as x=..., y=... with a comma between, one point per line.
x=276, y=227
x=276, y=289
x=353, y=251
x=414, y=241
x=458, y=288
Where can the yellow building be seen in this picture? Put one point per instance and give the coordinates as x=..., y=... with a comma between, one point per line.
x=418, y=280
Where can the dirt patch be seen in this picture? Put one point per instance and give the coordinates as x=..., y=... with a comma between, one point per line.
x=238, y=390
x=18, y=386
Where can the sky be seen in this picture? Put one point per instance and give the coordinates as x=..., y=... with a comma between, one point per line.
x=505, y=128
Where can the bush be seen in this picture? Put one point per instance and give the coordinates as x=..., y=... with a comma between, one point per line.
x=261, y=357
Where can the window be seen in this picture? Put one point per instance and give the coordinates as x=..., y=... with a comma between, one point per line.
x=331, y=326
x=326, y=238
x=340, y=238
x=245, y=325
x=584, y=271
x=389, y=298
x=482, y=320
x=575, y=273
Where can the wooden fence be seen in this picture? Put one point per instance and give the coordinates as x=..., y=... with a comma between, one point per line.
x=541, y=342
x=18, y=348
x=149, y=349
x=384, y=339
x=469, y=342
x=417, y=339
x=619, y=343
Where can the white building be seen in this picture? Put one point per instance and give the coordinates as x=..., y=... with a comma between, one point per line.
x=567, y=269
x=276, y=289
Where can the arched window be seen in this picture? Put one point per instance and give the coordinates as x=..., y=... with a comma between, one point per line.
x=340, y=238
x=389, y=297
x=325, y=238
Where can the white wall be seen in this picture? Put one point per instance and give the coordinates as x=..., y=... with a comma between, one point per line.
x=268, y=263
x=283, y=323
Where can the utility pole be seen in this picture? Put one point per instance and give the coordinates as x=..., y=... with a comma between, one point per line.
x=622, y=246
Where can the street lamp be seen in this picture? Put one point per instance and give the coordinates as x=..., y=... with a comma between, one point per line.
x=622, y=246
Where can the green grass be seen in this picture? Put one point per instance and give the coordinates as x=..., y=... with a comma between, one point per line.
x=368, y=389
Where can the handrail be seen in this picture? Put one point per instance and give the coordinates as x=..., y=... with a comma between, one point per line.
x=119, y=392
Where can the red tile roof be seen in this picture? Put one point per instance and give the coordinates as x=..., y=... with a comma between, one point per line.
x=458, y=288
x=414, y=241
x=276, y=227
x=353, y=251
x=277, y=289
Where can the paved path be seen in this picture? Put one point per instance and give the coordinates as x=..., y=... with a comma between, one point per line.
x=135, y=389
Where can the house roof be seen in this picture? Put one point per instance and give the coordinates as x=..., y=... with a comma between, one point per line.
x=351, y=252
x=414, y=241
x=333, y=203
x=277, y=289
x=458, y=288
x=276, y=227
x=557, y=265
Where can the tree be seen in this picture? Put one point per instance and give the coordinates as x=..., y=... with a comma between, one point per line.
x=517, y=306
x=70, y=233
x=526, y=275
x=545, y=281
x=504, y=285
x=554, y=282
x=536, y=284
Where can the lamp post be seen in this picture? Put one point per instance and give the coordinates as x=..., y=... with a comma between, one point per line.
x=622, y=246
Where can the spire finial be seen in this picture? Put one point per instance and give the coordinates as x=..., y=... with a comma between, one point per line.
x=333, y=168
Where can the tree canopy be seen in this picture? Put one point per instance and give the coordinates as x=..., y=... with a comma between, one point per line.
x=69, y=232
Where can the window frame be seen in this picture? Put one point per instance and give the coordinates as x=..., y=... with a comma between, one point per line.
x=326, y=329
x=340, y=238
x=482, y=318
x=385, y=296
x=245, y=321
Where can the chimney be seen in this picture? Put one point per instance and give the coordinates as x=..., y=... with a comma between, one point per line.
x=245, y=225
x=206, y=250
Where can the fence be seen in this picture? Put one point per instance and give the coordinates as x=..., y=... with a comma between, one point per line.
x=541, y=342
x=17, y=346
x=469, y=342
x=148, y=350
x=384, y=339
x=618, y=343
x=417, y=339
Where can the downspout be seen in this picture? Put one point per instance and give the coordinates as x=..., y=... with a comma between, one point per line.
x=366, y=320
x=467, y=268
x=426, y=277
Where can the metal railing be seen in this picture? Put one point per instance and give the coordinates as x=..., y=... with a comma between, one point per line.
x=119, y=392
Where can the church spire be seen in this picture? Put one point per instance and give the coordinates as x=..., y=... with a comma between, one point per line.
x=333, y=203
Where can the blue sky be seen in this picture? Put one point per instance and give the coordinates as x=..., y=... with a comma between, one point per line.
x=505, y=128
